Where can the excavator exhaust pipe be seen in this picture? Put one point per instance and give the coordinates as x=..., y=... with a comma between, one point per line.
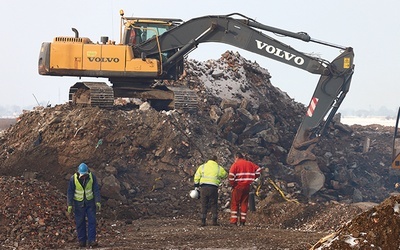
x=76, y=32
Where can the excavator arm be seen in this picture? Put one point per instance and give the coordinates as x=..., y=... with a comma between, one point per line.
x=240, y=33
x=245, y=33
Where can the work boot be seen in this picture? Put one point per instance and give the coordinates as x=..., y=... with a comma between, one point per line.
x=93, y=244
x=203, y=222
x=215, y=222
x=242, y=224
x=82, y=244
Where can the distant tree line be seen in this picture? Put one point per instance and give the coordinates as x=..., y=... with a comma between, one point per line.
x=382, y=111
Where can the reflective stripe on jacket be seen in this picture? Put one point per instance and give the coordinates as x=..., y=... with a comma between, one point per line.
x=243, y=173
x=210, y=173
x=80, y=192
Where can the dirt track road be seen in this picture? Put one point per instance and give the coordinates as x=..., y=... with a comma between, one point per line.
x=183, y=233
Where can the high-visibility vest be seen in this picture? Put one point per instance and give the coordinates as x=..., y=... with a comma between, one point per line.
x=210, y=173
x=81, y=192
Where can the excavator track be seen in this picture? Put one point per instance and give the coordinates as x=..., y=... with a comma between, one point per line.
x=97, y=94
x=184, y=98
x=101, y=95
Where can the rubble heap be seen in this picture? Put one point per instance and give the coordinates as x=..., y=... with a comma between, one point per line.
x=31, y=214
x=145, y=159
x=376, y=228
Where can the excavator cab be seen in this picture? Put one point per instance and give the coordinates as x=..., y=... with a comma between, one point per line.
x=138, y=30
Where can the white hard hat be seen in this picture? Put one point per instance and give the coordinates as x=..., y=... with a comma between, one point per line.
x=195, y=194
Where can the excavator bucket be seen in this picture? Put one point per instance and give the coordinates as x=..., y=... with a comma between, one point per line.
x=312, y=179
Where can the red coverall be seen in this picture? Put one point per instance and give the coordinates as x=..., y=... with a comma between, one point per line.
x=241, y=174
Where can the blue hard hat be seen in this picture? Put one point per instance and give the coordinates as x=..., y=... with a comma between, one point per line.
x=83, y=169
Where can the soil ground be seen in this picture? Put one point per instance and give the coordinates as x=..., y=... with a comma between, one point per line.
x=184, y=233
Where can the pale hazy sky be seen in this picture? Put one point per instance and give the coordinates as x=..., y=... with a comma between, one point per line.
x=370, y=27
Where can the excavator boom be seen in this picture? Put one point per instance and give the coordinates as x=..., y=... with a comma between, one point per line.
x=236, y=32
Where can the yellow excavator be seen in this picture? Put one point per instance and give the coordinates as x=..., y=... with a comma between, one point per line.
x=152, y=50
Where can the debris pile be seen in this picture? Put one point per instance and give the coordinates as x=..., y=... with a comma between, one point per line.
x=31, y=214
x=376, y=228
x=145, y=159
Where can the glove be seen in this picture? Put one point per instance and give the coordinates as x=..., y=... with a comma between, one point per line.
x=197, y=189
x=98, y=205
x=69, y=209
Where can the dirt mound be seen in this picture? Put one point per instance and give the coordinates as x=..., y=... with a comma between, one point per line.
x=31, y=212
x=376, y=228
x=314, y=217
x=145, y=159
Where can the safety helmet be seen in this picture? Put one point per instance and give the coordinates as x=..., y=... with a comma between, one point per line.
x=194, y=194
x=83, y=169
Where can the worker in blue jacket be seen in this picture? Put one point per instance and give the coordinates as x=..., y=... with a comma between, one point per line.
x=83, y=196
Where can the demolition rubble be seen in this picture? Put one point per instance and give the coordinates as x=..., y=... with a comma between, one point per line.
x=145, y=160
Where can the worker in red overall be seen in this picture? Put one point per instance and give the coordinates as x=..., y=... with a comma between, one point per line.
x=241, y=174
